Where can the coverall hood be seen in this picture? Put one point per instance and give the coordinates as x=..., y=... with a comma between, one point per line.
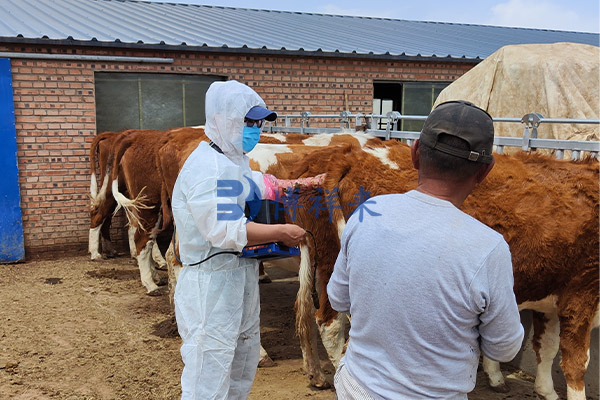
x=227, y=103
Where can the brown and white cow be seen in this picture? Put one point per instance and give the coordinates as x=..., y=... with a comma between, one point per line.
x=547, y=211
x=103, y=204
x=136, y=172
x=278, y=154
x=135, y=164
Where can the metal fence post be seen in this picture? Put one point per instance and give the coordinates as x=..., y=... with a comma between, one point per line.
x=345, y=119
x=392, y=119
x=531, y=121
x=305, y=121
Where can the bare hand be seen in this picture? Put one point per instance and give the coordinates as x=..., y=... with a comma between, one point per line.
x=291, y=235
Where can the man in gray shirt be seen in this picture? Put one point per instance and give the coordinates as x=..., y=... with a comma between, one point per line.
x=428, y=286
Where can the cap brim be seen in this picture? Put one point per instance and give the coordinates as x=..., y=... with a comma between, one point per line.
x=257, y=113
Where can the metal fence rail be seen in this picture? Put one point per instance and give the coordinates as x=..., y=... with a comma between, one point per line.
x=301, y=123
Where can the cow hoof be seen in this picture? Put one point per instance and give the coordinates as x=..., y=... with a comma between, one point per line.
x=502, y=388
x=266, y=362
x=320, y=384
x=551, y=396
x=162, y=281
x=264, y=279
x=154, y=293
x=162, y=267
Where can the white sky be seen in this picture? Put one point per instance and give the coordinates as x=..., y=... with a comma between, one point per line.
x=569, y=15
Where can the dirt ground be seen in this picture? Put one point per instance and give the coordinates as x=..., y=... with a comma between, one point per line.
x=76, y=329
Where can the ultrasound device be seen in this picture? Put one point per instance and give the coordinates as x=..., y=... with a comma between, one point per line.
x=267, y=212
x=270, y=251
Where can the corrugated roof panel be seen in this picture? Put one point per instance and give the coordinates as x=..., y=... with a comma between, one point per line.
x=132, y=22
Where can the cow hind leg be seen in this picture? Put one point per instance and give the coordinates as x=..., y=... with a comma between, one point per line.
x=333, y=336
x=494, y=375
x=264, y=360
x=147, y=270
x=158, y=258
x=154, y=267
x=132, y=246
x=94, y=243
x=545, y=343
x=100, y=219
x=108, y=247
x=173, y=270
x=263, y=277
x=575, y=335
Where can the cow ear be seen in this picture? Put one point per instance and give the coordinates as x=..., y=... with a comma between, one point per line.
x=414, y=154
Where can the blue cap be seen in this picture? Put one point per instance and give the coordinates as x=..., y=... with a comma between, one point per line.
x=257, y=113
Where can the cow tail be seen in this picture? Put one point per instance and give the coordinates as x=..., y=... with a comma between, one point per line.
x=333, y=184
x=167, y=216
x=165, y=198
x=130, y=206
x=93, y=184
x=95, y=197
x=305, y=311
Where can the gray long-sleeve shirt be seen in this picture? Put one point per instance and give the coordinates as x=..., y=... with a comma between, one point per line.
x=427, y=286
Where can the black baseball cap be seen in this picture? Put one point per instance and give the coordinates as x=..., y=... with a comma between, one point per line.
x=466, y=121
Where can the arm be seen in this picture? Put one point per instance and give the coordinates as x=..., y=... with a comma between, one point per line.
x=289, y=234
x=274, y=186
x=500, y=327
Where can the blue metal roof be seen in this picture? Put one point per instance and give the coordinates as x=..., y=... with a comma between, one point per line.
x=196, y=27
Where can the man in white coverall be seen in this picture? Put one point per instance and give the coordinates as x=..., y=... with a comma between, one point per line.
x=217, y=300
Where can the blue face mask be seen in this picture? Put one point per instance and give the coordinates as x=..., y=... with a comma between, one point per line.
x=250, y=136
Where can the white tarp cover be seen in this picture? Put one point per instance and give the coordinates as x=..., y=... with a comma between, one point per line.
x=558, y=80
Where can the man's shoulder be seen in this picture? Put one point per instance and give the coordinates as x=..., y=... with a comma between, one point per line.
x=386, y=198
x=483, y=236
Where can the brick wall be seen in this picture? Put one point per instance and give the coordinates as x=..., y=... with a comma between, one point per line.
x=55, y=117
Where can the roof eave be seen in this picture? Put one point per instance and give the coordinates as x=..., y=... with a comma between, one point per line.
x=238, y=50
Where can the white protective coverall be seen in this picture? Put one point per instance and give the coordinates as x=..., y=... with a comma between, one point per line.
x=217, y=302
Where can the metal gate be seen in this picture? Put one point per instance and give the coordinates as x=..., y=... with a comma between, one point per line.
x=367, y=123
x=11, y=224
